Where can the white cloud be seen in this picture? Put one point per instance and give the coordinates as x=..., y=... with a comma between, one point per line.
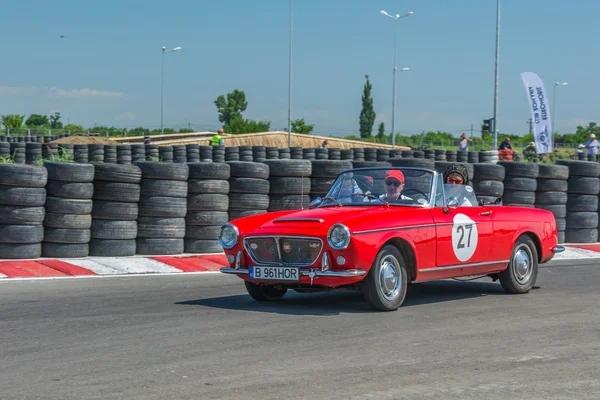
x=85, y=93
x=15, y=90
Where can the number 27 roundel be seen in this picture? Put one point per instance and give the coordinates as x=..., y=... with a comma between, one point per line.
x=464, y=237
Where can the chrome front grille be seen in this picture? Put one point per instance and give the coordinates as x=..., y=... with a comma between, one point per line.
x=297, y=251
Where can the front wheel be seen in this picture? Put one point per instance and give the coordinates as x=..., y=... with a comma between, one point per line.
x=522, y=271
x=265, y=292
x=386, y=284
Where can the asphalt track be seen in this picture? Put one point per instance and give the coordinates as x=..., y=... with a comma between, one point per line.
x=201, y=337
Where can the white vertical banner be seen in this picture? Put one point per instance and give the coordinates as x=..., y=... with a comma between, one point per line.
x=540, y=112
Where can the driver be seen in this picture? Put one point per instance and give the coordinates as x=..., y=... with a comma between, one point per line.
x=394, y=184
x=457, y=174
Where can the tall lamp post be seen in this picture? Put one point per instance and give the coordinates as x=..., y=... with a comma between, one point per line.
x=395, y=18
x=554, y=102
x=497, y=62
x=289, y=127
x=162, y=84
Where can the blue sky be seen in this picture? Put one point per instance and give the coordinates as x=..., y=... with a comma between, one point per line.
x=106, y=70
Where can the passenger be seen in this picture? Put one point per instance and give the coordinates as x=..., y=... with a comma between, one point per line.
x=457, y=174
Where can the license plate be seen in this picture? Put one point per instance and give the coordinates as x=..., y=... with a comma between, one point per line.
x=275, y=273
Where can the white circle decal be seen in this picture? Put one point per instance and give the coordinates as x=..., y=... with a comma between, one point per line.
x=464, y=237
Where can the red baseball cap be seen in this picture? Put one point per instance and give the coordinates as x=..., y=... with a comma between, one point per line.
x=395, y=174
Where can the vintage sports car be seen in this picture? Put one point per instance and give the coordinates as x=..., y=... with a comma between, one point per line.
x=380, y=229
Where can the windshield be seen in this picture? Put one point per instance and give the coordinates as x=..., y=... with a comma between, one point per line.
x=463, y=193
x=395, y=186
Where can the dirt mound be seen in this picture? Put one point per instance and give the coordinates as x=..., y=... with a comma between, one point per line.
x=84, y=140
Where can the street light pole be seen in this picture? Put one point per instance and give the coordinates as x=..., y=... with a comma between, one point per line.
x=289, y=128
x=162, y=85
x=395, y=18
x=554, y=102
x=496, y=74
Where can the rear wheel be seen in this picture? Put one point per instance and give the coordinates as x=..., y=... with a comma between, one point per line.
x=265, y=292
x=386, y=284
x=522, y=271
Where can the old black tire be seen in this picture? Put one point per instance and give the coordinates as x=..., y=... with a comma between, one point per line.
x=522, y=271
x=265, y=292
x=386, y=284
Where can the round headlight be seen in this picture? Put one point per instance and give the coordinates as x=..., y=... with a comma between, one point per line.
x=339, y=237
x=229, y=236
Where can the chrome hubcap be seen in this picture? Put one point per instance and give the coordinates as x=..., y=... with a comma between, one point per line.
x=522, y=264
x=390, y=278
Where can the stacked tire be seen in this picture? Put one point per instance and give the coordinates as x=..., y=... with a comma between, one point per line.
x=115, y=210
x=81, y=153
x=232, y=154
x=370, y=154
x=110, y=153
x=246, y=153
x=272, y=153
x=488, y=156
x=152, y=153
x=440, y=155
x=165, y=153
x=582, y=201
x=18, y=152
x=551, y=194
x=49, y=150
x=138, y=152
x=192, y=153
x=289, y=184
x=68, y=216
x=162, y=208
x=309, y=154
x=5, y=150
x=383, y=154
x=180, y=154
x=22, y=199
x=488, y=181
x=96, y=152
x=452, y=156
x=473, y=157
x=296, y=153
x=321, y=153
x=33, y=153
x=347, y=154
x=259, y=153
x=218, y=154
x=359, y=154
x=520, y=183
x=248, y=189
x=462, y=156
x=124, y=155
x=324, y=174
x=284, y=153
x=207, y=205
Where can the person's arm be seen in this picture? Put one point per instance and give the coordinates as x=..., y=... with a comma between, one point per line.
x=469, y=140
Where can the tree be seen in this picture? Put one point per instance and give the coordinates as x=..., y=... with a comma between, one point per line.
x=381, y=131
x=37, y=120
x=241, y=125
x=12, y=121
x=299, y=126
x=72, y=128
x=367, y=115
x=54, y=121
x=231, y=108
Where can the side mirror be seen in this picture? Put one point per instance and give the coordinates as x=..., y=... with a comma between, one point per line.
x=315, y=203
x=451, y=203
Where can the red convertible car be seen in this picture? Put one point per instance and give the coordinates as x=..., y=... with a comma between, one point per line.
x=380, y=229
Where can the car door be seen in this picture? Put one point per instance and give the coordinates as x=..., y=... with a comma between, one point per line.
x=464, y=234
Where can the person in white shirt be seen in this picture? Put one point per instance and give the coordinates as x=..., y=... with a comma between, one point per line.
x=394, y=184
x=463, y=142
x=592, y=145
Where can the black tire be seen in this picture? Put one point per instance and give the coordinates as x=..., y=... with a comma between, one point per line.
x=372, y=286
x=170, y=207
x=23, y=175
x=109, y=229
x=236, y=214
x=70, y=172
x=68, y=221
x=249, y=185
x=207, y=202
x=518, y=197
x=525, y=170
x=248, y=201
x=581, y=235
x=22, y=196
x=561, y=224
x=117, y=192
x=206, y=218
x=582, y=202
x=212, y=186
x=581, y=168
x=65, y=250
x=21, y=215
x=519, y=183
x=264, y=292
x=488, y=188
x=209, y=170
x=201, y=246
x=112, y=248
x=69, y=206
x=20, y=251
x=59, y=235
x=117, y=173
x=244, y=169
x=22, y=234
x=493, y=172
x=368, y=164
x=109, y=210
x=552, y=185
x=164, y=188
x=163, y=170
x=516, y=278
x=289, y=185
x=288, y=202
x=552, y=198
x=583, y=185
x=158, y=227
x=413, y=162
x=559, y=210
x=159, y=247
x=206, y=232
x=70, y=190
x=290, y=167
x=329, y=168
x=582, y=220
x=321, y=185
x=553, y=171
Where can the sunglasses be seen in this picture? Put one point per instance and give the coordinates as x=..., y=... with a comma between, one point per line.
x=393, y=182
x=454, y=180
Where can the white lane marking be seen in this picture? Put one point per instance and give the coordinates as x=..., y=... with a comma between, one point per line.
x=111, y=276
x=572, y=253
x=2, y=276
x=122, y=265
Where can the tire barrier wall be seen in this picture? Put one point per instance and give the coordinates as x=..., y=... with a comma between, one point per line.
x=248, y=189
x=551, y=194
x=520, y=183
x=289, y=184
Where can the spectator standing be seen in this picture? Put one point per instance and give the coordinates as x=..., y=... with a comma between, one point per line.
x=592, y=145
x=463, y=142
x=217, y=140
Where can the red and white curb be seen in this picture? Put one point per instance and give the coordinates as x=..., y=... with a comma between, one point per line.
x=111, y=266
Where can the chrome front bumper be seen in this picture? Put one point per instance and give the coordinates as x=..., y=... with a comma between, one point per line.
x=310, y=272
x=558, y=249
